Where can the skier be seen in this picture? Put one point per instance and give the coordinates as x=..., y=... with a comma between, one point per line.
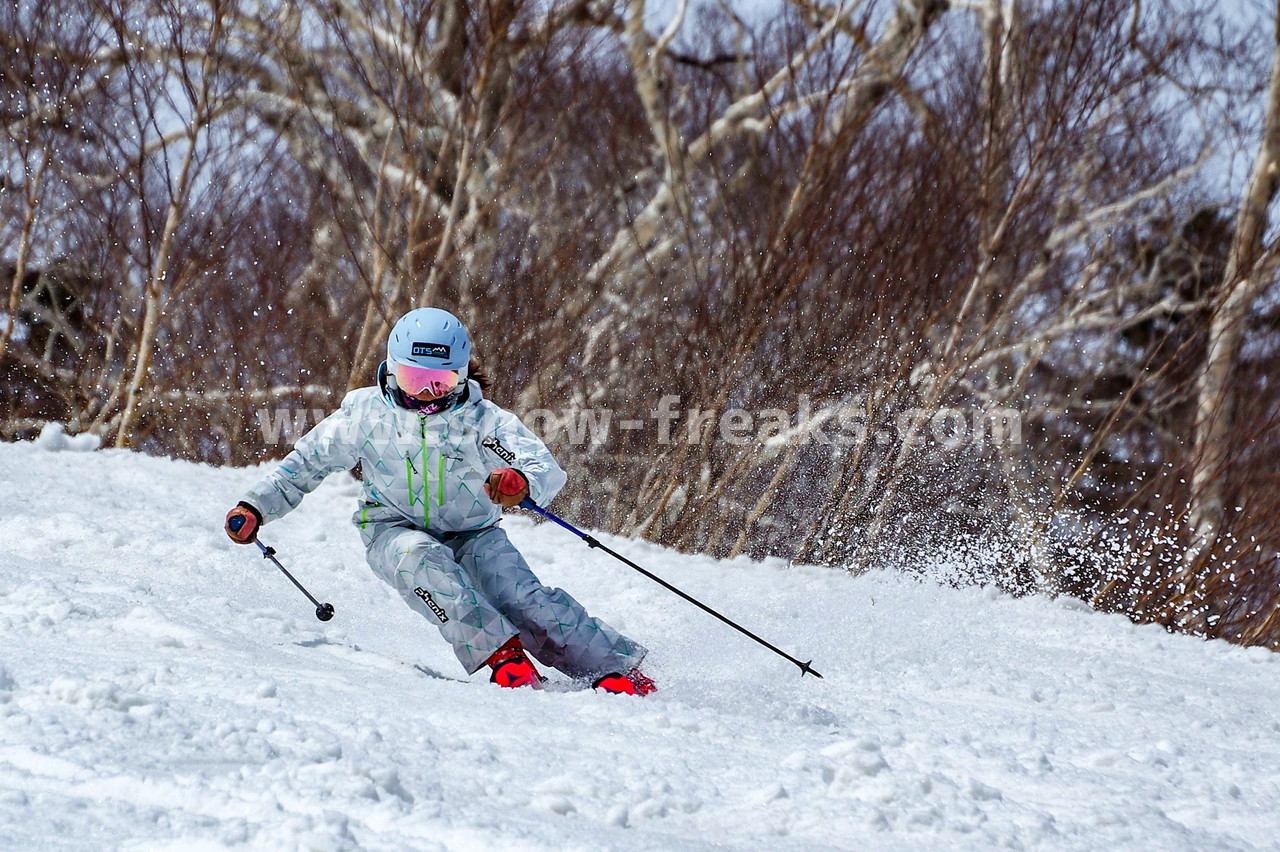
x=439, y=463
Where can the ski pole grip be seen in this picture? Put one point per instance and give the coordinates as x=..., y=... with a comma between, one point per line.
x=527, y=503
x=235, y=523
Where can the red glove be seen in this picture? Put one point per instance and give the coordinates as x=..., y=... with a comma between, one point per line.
x=507, y=486
x=242, y=523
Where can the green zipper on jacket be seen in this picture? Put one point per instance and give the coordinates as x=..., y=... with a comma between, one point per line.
x=408, y=472
x=426, y=480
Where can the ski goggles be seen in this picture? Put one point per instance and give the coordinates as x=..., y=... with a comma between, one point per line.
x=424, y=382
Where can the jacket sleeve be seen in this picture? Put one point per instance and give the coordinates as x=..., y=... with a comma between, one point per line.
x=509, y=443
x=328, y=448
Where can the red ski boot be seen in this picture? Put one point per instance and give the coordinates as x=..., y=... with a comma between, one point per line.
x=511, y=668
x=631, y=683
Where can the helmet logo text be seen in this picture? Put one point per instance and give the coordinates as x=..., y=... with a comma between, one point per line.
x=431, y=350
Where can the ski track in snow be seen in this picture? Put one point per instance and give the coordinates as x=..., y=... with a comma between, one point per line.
x=161, y=688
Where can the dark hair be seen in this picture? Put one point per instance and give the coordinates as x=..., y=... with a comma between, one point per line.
x=476, y=372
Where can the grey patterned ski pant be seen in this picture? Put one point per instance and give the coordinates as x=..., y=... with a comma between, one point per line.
x=477, y=588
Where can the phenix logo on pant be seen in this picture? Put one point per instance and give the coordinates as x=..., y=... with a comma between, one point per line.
x=431, y=604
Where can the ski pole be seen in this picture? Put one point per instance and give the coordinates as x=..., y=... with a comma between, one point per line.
x=324, y=611
x=591, y=541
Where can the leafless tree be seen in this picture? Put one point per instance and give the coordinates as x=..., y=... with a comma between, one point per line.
x=844, y=218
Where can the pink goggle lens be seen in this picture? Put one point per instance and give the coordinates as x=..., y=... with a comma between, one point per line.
x=425, y=382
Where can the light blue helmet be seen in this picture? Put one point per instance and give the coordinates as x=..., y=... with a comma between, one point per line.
x=432, y=338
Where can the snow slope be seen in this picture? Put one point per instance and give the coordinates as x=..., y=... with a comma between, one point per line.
x=161, y=688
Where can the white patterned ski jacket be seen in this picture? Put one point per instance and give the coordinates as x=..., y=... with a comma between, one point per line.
x=426, y=472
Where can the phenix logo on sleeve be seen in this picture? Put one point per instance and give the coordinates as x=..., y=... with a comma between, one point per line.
x=493, y=445
x=428, y=472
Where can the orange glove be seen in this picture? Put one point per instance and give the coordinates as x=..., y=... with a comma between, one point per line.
x=507, y=486
x=242, y=523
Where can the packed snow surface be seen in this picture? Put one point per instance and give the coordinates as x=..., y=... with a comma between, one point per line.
x=161, y=688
